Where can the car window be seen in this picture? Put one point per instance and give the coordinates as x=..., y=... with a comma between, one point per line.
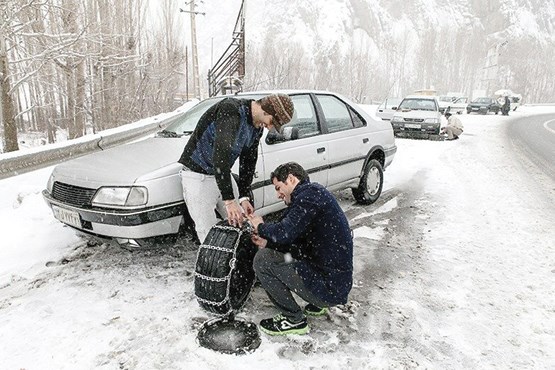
x=358, y=121
x=390, y=103
x=188, y=122
x=304, y=116
x=418, y=104
x=338, y=117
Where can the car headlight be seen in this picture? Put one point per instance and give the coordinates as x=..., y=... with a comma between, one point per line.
x=50, y=184
x=431, y=120
x=397, y=119
x=121, y=196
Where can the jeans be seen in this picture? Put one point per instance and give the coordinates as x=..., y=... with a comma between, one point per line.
x=279, y=278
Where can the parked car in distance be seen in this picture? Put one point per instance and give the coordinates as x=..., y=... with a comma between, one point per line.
x=458, y=106
x=133, y=194
x=387, y=108
x=483, y=105
x=445, y=102
x=417, y=116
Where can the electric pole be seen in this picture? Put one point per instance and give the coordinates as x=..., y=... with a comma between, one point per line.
x=194, y=51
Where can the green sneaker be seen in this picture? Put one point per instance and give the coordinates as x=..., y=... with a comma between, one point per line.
x=280, y=325
x=312, y=310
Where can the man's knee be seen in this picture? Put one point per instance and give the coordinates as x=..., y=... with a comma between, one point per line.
x=260, y=260
x=265, y=259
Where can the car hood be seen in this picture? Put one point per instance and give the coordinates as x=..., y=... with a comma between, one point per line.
x=124, y=164
x=417, y=114
x=479, y=104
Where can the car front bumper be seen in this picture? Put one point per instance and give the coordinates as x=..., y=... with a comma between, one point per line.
x=424, y=129
x=115, y=223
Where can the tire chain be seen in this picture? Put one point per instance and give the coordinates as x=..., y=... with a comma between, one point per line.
x=227, y=278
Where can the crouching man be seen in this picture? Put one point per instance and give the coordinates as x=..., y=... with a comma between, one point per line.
x=454, y=127
x=309, y=252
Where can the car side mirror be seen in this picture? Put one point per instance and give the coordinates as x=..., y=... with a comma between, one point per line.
x=286, y=134
x=290, y=133
x=393, y=108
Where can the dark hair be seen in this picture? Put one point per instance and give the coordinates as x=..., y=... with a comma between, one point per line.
x=290, y=168
x=448, y=114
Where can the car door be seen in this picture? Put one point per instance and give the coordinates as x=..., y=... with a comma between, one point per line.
x=309, y=150
x=347, y=136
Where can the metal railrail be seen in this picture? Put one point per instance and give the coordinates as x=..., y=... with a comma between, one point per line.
x=228, y=72
x=16, y=163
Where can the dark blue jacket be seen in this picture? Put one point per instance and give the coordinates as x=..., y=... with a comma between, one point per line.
x=316, y=232
x=224, y=133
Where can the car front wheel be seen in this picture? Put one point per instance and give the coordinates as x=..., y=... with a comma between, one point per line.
x=371, y=183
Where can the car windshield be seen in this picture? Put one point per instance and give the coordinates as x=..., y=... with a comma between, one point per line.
x=187, y=123
x=482, y=100
x=418, y=104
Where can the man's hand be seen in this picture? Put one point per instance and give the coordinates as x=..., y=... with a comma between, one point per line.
x=247, y=207
x=255, y=221
x=234, y=213
x=259, y=241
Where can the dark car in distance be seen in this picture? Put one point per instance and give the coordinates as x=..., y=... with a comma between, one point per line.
x=483, y=106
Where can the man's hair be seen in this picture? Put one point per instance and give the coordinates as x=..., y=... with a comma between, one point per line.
x=448, y=114
x=290, y=168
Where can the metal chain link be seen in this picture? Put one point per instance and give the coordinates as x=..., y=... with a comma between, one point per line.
x=227, y=278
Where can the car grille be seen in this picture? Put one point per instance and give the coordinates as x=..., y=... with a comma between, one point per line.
x=418, y=120
x=74, y=195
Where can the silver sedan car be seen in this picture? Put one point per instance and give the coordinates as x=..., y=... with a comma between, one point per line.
x=132, y=193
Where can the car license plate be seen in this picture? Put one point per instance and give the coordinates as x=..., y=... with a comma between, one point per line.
x=66, y=216
x=413, y=125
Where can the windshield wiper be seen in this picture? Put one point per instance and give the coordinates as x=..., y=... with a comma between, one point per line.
x=166, y=133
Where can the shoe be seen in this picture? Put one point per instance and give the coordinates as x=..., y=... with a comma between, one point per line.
x=455, y=138
x=280, y=325
x=312, y=310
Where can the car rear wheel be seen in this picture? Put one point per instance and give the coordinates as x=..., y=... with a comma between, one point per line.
x=371, y=183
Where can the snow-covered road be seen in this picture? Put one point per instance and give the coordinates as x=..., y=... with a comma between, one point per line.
x=454, y=268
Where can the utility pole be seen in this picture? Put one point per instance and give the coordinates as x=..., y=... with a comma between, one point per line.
x=194, y=51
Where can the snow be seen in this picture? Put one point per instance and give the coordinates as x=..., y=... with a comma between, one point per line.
x=454, y=268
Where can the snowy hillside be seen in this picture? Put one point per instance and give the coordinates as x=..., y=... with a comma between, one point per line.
x=397, y=45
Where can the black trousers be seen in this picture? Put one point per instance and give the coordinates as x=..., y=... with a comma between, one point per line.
x=279, y=278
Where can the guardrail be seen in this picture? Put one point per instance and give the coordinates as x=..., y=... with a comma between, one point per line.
x=15, y=163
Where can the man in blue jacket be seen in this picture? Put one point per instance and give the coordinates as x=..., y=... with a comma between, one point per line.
x=309, y=252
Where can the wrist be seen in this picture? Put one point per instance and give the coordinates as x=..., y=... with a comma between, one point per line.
x=242, y=199
x=229, y=202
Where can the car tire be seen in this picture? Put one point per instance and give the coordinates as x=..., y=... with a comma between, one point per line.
x=224, y=274
x=371, y=183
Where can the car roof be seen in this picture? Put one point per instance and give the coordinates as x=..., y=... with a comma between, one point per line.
x=429, y=97
x=288, y=92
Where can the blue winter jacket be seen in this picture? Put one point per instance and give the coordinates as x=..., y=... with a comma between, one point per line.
x=316, y=232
